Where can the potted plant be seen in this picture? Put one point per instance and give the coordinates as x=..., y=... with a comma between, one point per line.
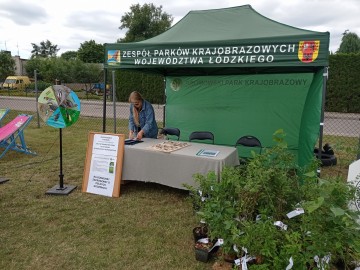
x=200, y=231
x=282, y=214
x=204, y=248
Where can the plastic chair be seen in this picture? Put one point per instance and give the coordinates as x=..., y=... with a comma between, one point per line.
x=202, y=135
x=248, y=141
x=170, y=131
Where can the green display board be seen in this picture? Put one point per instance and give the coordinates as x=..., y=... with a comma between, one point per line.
x=235, y=105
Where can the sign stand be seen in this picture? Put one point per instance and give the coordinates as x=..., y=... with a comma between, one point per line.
x=103, y=164
x=61, y=189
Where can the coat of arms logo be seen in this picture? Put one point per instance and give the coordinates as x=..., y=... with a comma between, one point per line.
x=308, y=50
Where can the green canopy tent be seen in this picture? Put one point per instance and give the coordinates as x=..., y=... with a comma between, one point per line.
x=235, y=72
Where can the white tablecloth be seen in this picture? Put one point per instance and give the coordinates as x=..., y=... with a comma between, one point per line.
x=175, y=168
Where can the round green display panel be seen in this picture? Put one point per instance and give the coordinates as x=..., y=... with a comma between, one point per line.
x=59, y=106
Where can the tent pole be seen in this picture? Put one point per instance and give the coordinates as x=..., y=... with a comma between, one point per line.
x=114, y=98
x=37, y=98
x=164, y=124
x=325, y=77
x=104, y=103
x=358, y=154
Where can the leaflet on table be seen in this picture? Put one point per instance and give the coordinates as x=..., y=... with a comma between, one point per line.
x=103, y=164
x=132, y=142
x=207, y=153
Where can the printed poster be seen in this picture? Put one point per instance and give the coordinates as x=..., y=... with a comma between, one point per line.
x=103, y=165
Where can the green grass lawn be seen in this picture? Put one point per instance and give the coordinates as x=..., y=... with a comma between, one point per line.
x=346, y=149
x=148, y=227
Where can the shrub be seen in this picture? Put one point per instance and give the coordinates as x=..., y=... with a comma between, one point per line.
x=249, y=208
x=41, y=85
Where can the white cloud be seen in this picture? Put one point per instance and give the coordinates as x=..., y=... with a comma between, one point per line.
x=22, y=13
x=69, y=23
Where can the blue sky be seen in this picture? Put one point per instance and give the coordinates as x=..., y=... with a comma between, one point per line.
x=69, y=23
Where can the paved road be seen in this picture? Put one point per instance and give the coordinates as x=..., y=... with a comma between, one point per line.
x=334, y=124
x=88, y=108
x=342, y=124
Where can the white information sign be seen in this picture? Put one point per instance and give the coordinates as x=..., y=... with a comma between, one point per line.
x=103, y=164
x=354, y=179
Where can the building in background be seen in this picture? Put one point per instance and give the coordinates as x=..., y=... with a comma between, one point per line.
x=20, y=65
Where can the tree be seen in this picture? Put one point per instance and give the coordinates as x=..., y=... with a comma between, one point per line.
x=45, y=49
x=7, y=66
x=86, y=72
x=34, y=64
x=350, y=43
x=91, y=52
x=144, y=22
x=55, y=68
x=68, y=71
x=69, y=55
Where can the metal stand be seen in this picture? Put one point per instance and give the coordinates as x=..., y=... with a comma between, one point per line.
x=3, y=180
x=358, y=154
x=61, y=189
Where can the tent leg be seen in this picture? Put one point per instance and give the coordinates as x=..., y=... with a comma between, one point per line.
x=164, y=124
x=104, y=101
x=325, y=77
x=358, y=153
x=114, y=98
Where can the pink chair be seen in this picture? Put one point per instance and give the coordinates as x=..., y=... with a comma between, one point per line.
x=13, y=132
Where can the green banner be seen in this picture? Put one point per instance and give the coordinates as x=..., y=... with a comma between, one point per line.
x=299, y=52
x=233, y=106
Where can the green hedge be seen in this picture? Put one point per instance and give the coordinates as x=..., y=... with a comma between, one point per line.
x=343, y=85
x=150, y=86
x=40, y=84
